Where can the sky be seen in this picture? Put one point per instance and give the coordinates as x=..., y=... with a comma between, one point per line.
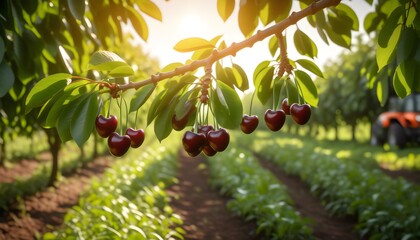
x=199, y=18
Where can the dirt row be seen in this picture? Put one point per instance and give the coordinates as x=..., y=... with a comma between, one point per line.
x=201, y=207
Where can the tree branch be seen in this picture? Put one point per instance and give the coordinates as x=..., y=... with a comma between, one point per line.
x=235, y=47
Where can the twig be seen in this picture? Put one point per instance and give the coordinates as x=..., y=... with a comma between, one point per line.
x=235, y=47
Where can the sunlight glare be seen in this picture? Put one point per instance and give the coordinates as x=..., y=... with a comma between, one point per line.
x=191, y=25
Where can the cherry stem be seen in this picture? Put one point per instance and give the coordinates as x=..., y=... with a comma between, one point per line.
x=126, y=112
x=252, y=100
x=109, y=107
x=120, y=105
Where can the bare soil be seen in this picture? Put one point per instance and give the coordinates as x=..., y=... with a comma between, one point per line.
x=202, y=208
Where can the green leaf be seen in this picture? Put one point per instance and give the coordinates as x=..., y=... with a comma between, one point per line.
x=240, y=77
x=109, y=61
x=273, y=46
x=343, y=40
x=292, y=91
x=121, y=71
x=307, y=88
x=151, y=9
x=186, y=102
x=277, y=91
x=384, y=55
x=404, y=78
x=141, y=96
x=45, y=89
x=263, y=83
x=227, y=106
x=7, y=78
x=225, y=8
x=304, y=45
x=138, y=23
x=310, y=66
x=382, y=88
x=2, y=49
x=224, y=74
x=77, y=8
x=407, y=45
x=83, y=121
x=172, y=66
x=371, y=22
x=248, y=17
x=192, y=44
x=348, y=11
x=161, y=101
x=64, y=120
x=163, y=123
x=389, y=27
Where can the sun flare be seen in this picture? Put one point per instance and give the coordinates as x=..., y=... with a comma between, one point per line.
x=191, y=24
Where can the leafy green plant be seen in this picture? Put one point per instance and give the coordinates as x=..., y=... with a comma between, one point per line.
x=257, y=195
x=385, y=207
x=128, y=202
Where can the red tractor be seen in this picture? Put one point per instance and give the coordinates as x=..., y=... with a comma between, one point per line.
x=400, y=125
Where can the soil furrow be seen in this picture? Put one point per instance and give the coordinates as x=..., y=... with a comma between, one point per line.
x=325, y=227
x=203, y=209
x=45, y=210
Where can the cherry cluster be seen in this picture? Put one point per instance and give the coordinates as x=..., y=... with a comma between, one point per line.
x=118, y=144
x=207, y=140
x=275, y=119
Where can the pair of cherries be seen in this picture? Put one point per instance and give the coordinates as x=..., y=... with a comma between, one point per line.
x=118, y=144
x=206, y=140
x=275, y=119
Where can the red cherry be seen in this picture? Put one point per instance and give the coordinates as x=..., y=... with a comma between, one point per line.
x=118, y=145
x=218, y=139
x=205, y=129
x=105, y=126
x=136, y=136
x=249, y=123
x=285, y=106
x=300, y=113
x=274, y=119
x=179, y=124
x=209, y=151
x=193, y=142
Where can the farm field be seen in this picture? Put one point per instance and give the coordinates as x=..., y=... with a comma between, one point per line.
x=274, y=189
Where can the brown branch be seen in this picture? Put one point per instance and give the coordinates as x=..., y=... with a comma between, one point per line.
x=235, y=47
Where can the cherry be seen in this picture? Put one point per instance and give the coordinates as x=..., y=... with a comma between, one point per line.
x=106, y=125
x=209, y=151
x=118, y=145
x=218, y=139
x=300, y=113
x=249, y=123
x=285, y=106
x=274, y=119
x=136, y=136
x=193, y=142
x=179, y=124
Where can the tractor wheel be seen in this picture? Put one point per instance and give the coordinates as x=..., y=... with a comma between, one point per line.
x=396, y=136
x=377, y=134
